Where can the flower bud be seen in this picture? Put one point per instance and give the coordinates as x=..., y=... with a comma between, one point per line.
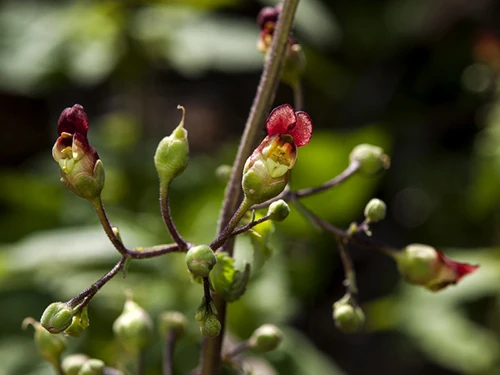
x=266, y=338
x=348, y=318
x=205, y=310
x=278, y=211
x=375, y=210
x=92, y=367
x=223, y=172
x=57, y=317
x=423, y=265
x=370, y=158
x=133, y=328
x=172, y=321
x=200, y=260
x=49, y=346
x=172, y=154
x=79, y=323
x=210, y=326
x=81, y=168
x=72, y=364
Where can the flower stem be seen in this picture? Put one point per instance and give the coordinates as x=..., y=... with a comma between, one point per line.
x=298, y=98
x=266, y=91
x=228, y=230
x=168, y=352
x=167, y=217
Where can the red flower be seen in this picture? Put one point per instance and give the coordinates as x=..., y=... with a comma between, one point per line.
x=283, y=120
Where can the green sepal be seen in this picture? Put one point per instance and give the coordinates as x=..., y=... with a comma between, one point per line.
x=227, y=281
x=84, y=185
x=79, y=323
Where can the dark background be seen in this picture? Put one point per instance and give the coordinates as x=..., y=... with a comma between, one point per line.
x=417, y=77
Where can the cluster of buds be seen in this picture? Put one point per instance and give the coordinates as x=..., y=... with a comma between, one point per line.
x=267, y=170
x=206, y=315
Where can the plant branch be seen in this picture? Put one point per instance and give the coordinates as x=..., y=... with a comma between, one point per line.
x=249, y=226
x=168, y=352
x=228, y=230
x=167, y=217
x=266, y=91
x=349, y=271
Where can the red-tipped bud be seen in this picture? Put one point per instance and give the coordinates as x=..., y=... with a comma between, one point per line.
x=424, y=265
x=81, y=168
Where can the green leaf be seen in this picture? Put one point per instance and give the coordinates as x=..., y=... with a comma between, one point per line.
x=226, y=280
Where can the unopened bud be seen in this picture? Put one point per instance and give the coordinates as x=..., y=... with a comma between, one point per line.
x=375, y=210
x=266, y=338
x=79, y=323
x=278, y=211
x=223, y=172
x=370, y=158
x=57, y=317
x=172, y=154
x=92, y=367
x=172, y=321
x=200, y=260
x=50, y=346
x=72, y=364
x=133, y=328
x=348, y=318
x=210, y=326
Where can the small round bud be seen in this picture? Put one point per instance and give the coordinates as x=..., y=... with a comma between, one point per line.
x=200, y=260
x=210, y=326
x=133, y=328
x=266, y=338
x=418, y=264
x=49, y=346
x=79, y=323
x=72, y=364
x=92, y=367
x=278, y=211
x=375, y=210
x=223, y=172
x=57, y=317
x=371, y=159
x=172, y=321
x=348, y=318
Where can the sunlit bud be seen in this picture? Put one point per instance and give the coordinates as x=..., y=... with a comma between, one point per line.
x=172, y=321
x=200, y=260
x=210, y=326
x=81, y=168
x=133, y=328
x=266, y=338
x=423, y=265
x=349, y=318
x=79, y=323
x=57, y=317
x=278, y=211
x=375, y=210
x=172, y=154
x=370, y=158
x=50, y=346
x=72, y=364
x=92, y=367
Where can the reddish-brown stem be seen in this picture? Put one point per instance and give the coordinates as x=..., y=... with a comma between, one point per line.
x=167, y=217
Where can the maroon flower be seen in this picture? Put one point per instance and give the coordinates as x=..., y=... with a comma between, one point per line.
x=267, y=20
x=284, y=120
x=81, y=168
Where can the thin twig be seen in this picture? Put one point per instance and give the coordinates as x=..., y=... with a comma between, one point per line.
x=167, y=217
x=228, y=230
x=168, y=352
x=236, y=350
x=249, y=226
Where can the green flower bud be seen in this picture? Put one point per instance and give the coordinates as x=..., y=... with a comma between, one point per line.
x=375, y=210
x=348, y=318
x=295, y=64
x=49, y=346
x=57, y=317
x=200, y=260
x=266, y=338
x=72, y=364
x=223, y=172
x=92, y=367
x=79, y=323
x=172, y=321
x=205, y=310
x=172, y=154
x=133, y=328
x=210, y=326
x=418, y=264
x=371, y=159
x=278, y=211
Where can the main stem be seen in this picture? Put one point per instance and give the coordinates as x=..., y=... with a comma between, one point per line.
x=266, y=91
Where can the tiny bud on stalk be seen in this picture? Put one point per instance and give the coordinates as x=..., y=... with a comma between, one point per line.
x=266, y=338
x=375, y=210
x=72, y=364
x=210, y=326
x=278, y=211
x=200, y=260
x=348, y=318
x=50, y=346
x=370, y=158
x=57, y=317
x=172, y=155
x=172, y=321
x=133, y=328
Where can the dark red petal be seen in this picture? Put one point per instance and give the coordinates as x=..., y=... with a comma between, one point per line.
x=460, y=269
x=302, y=131
x=280, y=120
x=73, y=120
x=267, y=14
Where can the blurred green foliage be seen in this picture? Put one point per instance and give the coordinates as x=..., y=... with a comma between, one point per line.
x=404, y=75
